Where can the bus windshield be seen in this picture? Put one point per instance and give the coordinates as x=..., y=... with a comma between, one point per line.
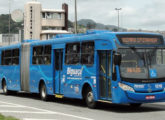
x=137, y=62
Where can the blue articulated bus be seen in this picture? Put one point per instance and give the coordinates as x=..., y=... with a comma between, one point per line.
x=99, y=66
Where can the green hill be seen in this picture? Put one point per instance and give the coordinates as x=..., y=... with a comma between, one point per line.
x=4, y=24
x=83, y=23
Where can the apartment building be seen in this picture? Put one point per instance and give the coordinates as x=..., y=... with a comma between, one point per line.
x=43, y=24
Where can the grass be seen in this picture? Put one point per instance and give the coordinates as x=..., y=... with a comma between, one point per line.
x=7, y=118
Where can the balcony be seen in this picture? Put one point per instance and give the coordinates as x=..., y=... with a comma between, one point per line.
x=53, y=22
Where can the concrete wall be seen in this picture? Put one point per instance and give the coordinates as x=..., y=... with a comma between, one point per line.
x=32, y=20
x=53, y=22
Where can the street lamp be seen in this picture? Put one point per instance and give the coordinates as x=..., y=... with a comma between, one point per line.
x=118, y=10
x=75, y=24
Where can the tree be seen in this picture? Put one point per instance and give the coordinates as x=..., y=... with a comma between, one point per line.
x=114, y=29
x=91, y=25
x=4, y=24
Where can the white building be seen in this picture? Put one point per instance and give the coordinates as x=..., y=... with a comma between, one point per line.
x=42, y=24
x=6, y=39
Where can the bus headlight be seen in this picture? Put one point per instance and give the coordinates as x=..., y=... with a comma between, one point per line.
x=126, y=87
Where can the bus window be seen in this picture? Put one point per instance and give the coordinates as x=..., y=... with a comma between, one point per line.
x=57, y=67
x=163, y=56
x=87, y=53
x=159, y=56
x=37, y=55
x=3, y=58
x=58, y=60
x=15, y=57
x=42, y=55
x=72, y=53
x=8, y=56
x=47, y=54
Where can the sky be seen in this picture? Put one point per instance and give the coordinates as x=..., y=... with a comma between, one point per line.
x=135, y=14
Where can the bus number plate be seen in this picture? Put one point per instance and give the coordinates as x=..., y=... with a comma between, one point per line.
x=150, y=97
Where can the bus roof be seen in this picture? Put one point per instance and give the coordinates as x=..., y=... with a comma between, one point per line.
x=89, y=35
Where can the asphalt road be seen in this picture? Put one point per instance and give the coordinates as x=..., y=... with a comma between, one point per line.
x=30, y=107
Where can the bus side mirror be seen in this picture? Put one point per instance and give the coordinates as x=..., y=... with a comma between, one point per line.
x=117, y=59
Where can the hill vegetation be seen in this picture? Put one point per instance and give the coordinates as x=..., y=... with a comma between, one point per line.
x=82, y=24
x=4, y=24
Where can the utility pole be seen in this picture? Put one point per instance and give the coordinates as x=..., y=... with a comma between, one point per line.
x=9, y=21
x=118, y=10
x=75, y=24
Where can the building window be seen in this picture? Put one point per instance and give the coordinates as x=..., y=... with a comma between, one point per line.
x=43, y=15
x=72, y=53
x=49, y=15
x=51, y=28
x=10, y=57
x=41, y=55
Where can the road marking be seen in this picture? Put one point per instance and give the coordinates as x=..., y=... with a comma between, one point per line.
x=27, y=112
x=9, y=106
x=44, y=111
x=37, y=119
x=25, y=106
x=10, y=103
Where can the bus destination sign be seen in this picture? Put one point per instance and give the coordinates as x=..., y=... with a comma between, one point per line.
x=141, y=40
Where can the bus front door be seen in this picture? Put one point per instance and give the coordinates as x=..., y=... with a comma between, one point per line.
x=58, y=70
x=105, y=75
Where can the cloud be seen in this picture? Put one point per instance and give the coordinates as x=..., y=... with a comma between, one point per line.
x=137, y=14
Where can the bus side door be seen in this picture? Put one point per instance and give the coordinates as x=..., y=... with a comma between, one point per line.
x=58, y=66
x=105, y=76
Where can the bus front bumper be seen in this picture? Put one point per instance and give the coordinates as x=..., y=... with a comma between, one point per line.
x=145, y=97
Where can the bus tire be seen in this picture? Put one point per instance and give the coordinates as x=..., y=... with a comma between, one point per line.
x=4, y=88
x=43, y=92
x=91, y=103
x=135, y=105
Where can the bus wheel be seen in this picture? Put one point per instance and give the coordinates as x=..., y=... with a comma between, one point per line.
x=91, y=103
x=43, y=92
x=135, y=105
x=4, y=88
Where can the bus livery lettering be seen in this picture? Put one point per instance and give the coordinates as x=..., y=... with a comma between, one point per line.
x=74, y=72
